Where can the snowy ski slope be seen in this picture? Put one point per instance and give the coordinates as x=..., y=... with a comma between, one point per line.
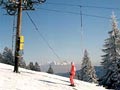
x=31, y=80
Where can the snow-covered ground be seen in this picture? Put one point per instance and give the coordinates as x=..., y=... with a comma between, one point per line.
x=31, y=80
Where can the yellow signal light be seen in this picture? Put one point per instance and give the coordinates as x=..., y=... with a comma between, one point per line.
x=21, y=46
x=21, y=39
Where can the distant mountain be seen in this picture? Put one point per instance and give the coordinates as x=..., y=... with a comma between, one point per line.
x=62, y=68
x=98, y=69
x=59, y=63
x=59, y=68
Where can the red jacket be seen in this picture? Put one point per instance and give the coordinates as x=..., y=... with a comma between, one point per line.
x=73, y=70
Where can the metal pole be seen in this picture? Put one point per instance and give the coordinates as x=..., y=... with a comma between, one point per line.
x=18, y=33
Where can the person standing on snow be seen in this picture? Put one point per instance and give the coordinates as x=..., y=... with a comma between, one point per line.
x=72, y=74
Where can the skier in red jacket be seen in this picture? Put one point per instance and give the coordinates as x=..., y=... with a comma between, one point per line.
x=72, y=74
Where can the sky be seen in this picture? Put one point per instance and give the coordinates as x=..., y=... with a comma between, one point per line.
x=62, y=30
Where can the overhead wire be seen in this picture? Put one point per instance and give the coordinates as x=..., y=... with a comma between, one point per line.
x=78, y=5
x=81, y=17
x=63, y=4
x=41, y=35
x=75, y=13
x=102, y=7
x=81, y=14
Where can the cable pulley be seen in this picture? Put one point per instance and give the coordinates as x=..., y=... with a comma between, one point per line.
x=11, y=9
x=28, y=5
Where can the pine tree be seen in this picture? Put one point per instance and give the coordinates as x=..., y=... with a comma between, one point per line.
x=1, y=58
x=31, y=66
x=50, y=70
x=22, y=63
x=111, y=59
x=37, y=67
x=87, y=72
x=7, y=56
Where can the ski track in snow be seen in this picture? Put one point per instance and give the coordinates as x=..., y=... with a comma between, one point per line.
x=31, y=80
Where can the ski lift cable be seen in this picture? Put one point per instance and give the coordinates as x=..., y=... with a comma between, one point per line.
x=41, y=35
x=75, y=13
x=86, y=6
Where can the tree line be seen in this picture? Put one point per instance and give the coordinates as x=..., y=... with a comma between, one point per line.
x=7, y=57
